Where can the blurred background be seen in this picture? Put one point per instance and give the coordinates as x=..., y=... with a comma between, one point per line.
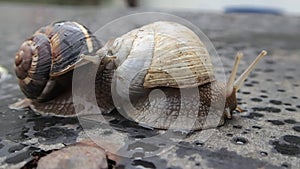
x=290, y=7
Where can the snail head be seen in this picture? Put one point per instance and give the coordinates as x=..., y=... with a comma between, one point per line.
x=102, y=57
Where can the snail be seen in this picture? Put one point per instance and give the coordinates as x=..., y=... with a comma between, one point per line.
x=44, y=66
x=170, y=58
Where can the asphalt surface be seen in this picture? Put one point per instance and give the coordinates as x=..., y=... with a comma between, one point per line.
x=265, y=136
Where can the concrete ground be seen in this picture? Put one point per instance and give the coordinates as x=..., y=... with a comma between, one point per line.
x=265, y=136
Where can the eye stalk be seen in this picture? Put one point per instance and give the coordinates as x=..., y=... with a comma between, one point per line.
x=233, y=86
x=239, y=82
x=231, y=79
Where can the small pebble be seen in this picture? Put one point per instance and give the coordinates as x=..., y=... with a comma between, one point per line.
x=76, y=156
x=263, y=153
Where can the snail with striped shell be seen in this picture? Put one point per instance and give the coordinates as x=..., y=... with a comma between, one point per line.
x=171, y=58
x=44, y=66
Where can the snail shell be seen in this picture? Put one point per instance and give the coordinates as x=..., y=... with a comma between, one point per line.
x=163, y=54
x=164, y=78
x=166, y=56
x=45, y=62
x=52, y=51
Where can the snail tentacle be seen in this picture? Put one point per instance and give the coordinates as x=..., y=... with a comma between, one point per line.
x=239, y=82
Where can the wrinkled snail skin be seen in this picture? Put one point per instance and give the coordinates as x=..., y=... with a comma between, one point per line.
x=45, y=62
x=178, y=108
x=171, y=58
x=103, y=90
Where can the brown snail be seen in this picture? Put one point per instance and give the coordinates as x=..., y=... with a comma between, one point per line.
x=44, y=66
x=170, y=57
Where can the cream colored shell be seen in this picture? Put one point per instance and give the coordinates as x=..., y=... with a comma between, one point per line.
x=161, y=54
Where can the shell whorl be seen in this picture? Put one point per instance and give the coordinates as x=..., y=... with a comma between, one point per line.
x=33, y=64
x=50, y=53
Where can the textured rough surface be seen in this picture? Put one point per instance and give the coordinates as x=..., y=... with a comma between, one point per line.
x=265, y=136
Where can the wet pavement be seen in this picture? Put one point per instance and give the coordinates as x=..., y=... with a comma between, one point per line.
x=265, y=136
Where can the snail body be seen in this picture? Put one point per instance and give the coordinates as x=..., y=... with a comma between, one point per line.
x=164, y=71
x=45, y=62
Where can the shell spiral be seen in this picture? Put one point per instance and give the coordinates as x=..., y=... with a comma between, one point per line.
x=49, y=55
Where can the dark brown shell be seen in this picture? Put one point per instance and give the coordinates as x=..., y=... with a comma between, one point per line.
x=50, y=53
